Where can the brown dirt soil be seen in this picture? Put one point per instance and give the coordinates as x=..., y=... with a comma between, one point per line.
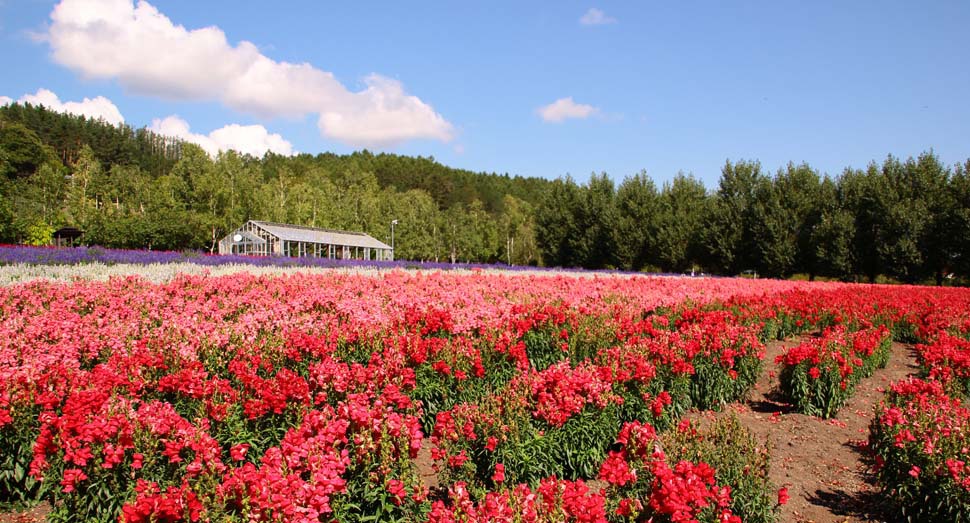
x=822, y=462
x=35, y=514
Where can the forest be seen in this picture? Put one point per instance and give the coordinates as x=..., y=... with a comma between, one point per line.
x=906, y=220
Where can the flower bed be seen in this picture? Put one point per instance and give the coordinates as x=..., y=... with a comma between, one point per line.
x=920, y=441
x=820, y=375
x=947, y=359
x=309, y=398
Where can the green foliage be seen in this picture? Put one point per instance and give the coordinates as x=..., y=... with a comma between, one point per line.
x=39, y=234
x=17, y=487
x=713, y=386
x=681, y=209
x=532, y=450
x=831, y=241
x=21, y=150
x=783, y=215
x=559, y=225
x=635, y=228
x=728, y=225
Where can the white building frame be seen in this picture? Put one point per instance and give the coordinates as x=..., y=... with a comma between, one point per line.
x=259, y=238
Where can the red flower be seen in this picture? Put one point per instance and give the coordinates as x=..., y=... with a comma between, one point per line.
x=616, y=471
x=491, y=443
x=71, y=477
x=395, y=488
x=783, y=496
x=499, y=475
x=238, y=452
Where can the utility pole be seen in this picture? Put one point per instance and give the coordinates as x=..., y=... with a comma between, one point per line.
x=393, y=223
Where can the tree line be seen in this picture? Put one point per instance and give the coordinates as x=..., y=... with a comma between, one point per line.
x=131, y=188
x=905, y=219
x=137, y=189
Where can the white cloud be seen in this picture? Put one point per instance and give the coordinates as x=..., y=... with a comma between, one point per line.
x=247, y=139
x=596, y=17
x=565, y=108
x=98, y=108
x=147, y=53
x=5, y=100
x=383, y=113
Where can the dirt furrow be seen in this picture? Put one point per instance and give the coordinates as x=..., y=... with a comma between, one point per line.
x=822, y=462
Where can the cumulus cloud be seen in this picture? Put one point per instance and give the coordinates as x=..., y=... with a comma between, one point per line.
x=147, y=53
x=5, y=100
x=99, y=108
x=596, y=17
x=564, y=109
x=247, y=139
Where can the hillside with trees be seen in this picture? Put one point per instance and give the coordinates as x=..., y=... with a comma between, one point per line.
x=905, y=219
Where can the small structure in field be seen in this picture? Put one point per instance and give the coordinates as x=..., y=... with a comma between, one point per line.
x=260, y=238
x=66, y=236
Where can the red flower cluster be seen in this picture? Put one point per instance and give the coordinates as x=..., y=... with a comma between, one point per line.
x=948, y=360
x=820, y=375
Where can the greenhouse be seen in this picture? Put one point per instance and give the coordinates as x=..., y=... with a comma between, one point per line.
x=258, y=238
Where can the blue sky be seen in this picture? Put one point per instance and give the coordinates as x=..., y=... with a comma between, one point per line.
x=661, y=86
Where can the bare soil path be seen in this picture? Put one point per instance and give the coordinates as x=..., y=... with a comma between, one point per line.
x=822, y=462
x=35, y=514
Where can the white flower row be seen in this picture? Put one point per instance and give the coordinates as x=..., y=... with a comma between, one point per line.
x=163, y=272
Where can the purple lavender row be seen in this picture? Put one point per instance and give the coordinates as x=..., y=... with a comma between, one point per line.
x=32, y=255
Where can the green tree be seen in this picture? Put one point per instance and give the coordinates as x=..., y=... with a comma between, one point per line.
x=799, y=189
x=930, y=183
x=783, y=214
x=482, y=234
x=417, y=233
x=681, y=212
x=728, y=226
x=958, y=222
x=863, y=195
x=773, y=235
x=557, y=225
x=635, y=228
x=517, y=232
x=915, y=202
x=81, y=203
x=21, y=150
x=597, y=215
x=833, y=235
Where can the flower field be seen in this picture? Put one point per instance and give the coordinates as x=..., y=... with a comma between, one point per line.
x=412, y=396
